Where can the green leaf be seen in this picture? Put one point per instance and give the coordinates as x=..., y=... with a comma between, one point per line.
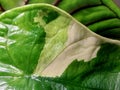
x=44, y=48
x=41, y=1
x=17, y=38
x=6, y=5
x=101, y=73
x=100, y=16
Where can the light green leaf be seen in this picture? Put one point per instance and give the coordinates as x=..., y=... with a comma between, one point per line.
x=44, y=48
x=100, y=16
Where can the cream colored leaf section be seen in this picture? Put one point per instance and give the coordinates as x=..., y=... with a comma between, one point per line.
x=80, y=45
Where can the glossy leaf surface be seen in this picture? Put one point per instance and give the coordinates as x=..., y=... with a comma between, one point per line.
x=100, y=16
x=43, y=48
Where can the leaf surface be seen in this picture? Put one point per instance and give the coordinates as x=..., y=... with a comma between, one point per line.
x=100, y=16
x=44, y=48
